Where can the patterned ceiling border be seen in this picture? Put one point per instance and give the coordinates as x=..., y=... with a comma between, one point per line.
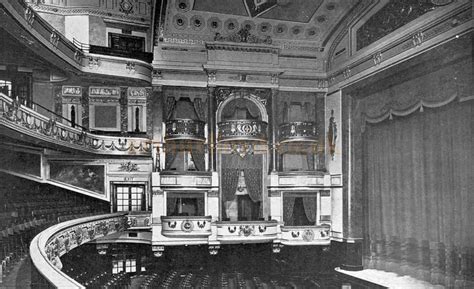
x=92, y=12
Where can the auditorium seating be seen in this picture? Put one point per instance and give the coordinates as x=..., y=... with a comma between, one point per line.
x=29, y=207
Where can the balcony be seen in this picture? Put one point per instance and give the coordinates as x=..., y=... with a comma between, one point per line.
x=242, y=130
x=247, y=232
x=174, y=179
x=305, y=235
x=139, y=221
x=186, y=226
x=143, y=56
x=298, y=131
x=25, y=120
x=185, y=129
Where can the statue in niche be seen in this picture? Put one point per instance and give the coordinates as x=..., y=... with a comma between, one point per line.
x=332, y=134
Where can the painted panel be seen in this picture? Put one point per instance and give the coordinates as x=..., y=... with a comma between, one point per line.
x=88, y=177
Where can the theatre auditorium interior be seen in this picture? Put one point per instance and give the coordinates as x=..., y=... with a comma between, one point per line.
x=236, y=144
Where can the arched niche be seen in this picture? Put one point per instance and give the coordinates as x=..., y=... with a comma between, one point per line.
x=252, y=100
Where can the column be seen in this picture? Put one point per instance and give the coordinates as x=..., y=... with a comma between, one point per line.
x=211, y=129
x=274, y=130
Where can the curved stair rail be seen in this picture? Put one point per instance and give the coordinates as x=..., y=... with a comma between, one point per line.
x=25, y=120
x=52, y=243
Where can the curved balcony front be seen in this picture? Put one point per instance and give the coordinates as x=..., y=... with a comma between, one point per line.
x=186, y=226
x=25, y=120
x=298, y=131
x=48, y=246
x=247, y=232
x=185, y=129
x=242, y=129
x=305, y=235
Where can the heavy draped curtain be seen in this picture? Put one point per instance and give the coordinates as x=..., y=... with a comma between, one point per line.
x=252, y=167
x=309, y=206
x=420, y=184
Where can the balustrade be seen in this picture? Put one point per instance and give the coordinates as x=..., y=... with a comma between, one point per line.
x=242, y=130
x=298, y=131
x=25, y=120
x=185, y=129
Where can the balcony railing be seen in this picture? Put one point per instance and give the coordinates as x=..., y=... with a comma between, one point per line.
x=186, y=226
x=25, y=120
x=143, y=56
x=298, y=131
x=185, y=129
x=247, y=231
x=52, y=243
x=305, y=235
x=139, y=221
x=242, y=130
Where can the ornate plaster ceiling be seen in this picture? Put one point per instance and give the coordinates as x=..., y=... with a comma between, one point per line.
x=288, y=22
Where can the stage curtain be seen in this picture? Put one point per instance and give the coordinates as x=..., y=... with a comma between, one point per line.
x=253, y=181
x=310, y=208
x=288, y=205
x=230, y=179
x=419, y=184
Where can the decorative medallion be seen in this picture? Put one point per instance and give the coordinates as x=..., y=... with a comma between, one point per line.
x=214, y=24
x=183, y=5
x=197, y=22
x=246, y=230
x=231, y=25
x=126, y=7
x=308, y=235
x=265, y=27
x=180, y=21
x=248, y=25
x=321, y=19
x=296, y=30
x=280, y=29
x=187, y=226
x=312, y=32
x=128, y=167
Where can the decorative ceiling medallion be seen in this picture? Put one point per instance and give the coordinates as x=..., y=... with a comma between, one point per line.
x=331, y=6
x=126, y=7
x=182, y=5
x=321, y=18
x=231, y=25
x=280, y=29
x=180, y=21
x=296, y=30
x=214, y=24
x=312, y=32
x=248, y=25
x=197, y=22
x=265, y=27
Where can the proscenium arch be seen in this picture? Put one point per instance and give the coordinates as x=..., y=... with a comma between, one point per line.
x=244, y=95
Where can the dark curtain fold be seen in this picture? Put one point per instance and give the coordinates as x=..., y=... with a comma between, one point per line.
x=420, y=183
x=253, y=181
x=170, y=105
x=310, y=160
x=200, y=207
x=310, y=208
x=230, y=179
x=170, y=156
x=197, y=153
x=171, y=206
x=200, y=110
x=288, y=205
